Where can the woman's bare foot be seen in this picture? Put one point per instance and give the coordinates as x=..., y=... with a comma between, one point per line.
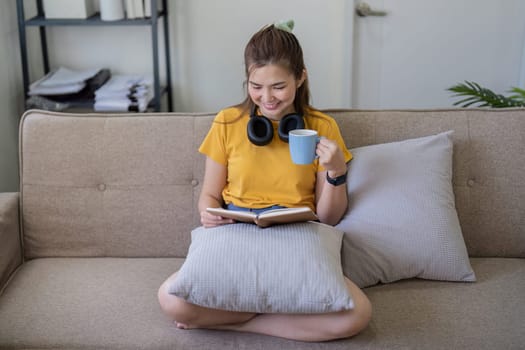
x=180, y=325
x=229, y=326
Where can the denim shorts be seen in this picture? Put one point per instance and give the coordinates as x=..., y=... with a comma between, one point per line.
x=256, y=211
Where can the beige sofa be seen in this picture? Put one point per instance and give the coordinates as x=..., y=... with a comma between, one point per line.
x=107, y=202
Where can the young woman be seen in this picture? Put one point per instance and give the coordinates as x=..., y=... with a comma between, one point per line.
x=248, y=167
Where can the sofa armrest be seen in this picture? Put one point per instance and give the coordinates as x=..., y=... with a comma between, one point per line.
x=10, y=247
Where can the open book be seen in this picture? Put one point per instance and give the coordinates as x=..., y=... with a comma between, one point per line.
x=269, y=217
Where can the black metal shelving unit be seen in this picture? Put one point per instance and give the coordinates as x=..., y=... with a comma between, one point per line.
x=41, y=22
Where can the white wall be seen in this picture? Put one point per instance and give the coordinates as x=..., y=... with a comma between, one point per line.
x=210, y=38
x=410, y=57
x=10, y=97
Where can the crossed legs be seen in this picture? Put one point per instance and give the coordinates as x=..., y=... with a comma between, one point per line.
x=303, y=327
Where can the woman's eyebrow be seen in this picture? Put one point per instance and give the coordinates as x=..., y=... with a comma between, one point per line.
x=274, y=84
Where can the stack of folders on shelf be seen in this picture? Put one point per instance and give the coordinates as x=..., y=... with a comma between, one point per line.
x=124, y=93
x=64, y=83
x=139, y=8
x=63, y=88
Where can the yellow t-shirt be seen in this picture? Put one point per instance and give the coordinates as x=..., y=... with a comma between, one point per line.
x=262, y=176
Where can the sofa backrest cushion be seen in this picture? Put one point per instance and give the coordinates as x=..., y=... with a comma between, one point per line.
x=109, y=185
x=128, y=184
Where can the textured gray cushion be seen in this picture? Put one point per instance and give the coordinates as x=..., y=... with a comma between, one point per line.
x=402, y=221
x=294, y=268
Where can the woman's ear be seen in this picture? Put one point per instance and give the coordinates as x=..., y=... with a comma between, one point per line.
x=302, y=79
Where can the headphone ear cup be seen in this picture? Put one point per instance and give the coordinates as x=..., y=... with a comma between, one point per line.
x=288, y=123
x=260, y=130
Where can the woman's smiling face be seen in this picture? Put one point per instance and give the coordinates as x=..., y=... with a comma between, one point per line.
x=272, y=88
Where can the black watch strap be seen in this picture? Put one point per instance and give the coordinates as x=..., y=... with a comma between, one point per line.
x=339, y=180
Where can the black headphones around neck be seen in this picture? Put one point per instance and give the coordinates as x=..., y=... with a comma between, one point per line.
x=260, y=128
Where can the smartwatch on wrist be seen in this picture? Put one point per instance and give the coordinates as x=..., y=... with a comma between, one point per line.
x=336, y=181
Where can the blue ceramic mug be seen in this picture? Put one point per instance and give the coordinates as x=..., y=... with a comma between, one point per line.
x=303, y=143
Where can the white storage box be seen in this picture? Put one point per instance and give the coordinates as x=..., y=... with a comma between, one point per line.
x=69, y=8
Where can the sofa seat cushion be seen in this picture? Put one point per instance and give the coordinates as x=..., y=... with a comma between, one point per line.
x=110, y=303
x=487, y=314
x=97, y=303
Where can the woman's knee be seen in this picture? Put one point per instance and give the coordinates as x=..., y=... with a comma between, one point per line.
x=352, y=322
x=176, y=308
x=171, y=305
x=362, y=315
x=355, y=320
x=166, y=300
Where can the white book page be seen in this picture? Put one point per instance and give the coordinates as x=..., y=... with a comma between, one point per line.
x=282, y=211
x=234, y=214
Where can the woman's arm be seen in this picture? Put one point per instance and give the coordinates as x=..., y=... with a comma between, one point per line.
x=211, y=194
x=331, y=201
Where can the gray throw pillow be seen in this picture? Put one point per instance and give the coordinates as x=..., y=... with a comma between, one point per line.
x=291, y=268
x=402, y=221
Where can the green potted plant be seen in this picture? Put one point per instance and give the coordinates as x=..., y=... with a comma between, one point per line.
x=473, y=94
